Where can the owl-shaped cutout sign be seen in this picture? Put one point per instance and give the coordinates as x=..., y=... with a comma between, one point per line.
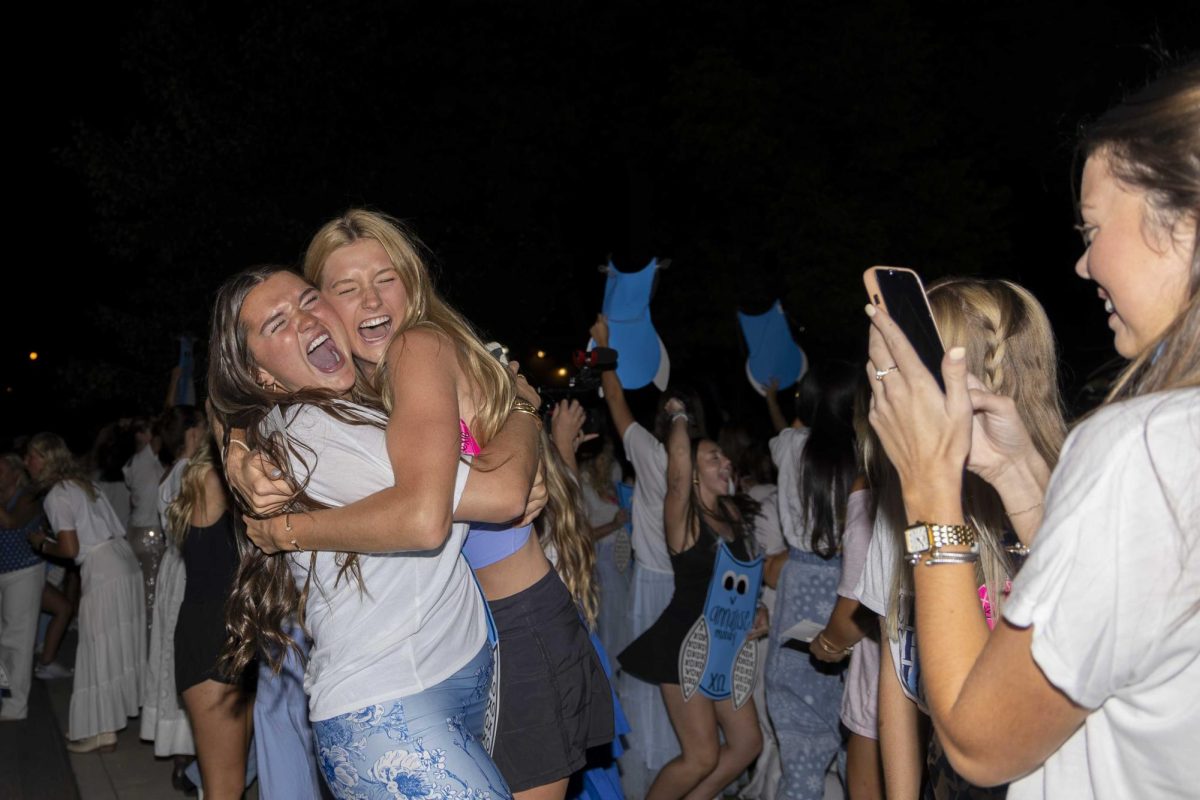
x=641, y=356
x=774, y=354
x=715, y=658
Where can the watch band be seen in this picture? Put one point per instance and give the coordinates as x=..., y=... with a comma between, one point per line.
x=950, y=535
x=922, y=537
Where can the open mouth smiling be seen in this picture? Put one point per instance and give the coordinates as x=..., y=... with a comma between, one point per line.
x=375, y=329
x=323, y=354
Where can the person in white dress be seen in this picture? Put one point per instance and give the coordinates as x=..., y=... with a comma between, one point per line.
x=110, y=660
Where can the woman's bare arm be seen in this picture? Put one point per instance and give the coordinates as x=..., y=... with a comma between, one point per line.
x=842, y=632
x=900, y=743
x=679, y=481
x=423, y=440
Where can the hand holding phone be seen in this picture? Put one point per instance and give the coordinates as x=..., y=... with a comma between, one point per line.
x=901, y=294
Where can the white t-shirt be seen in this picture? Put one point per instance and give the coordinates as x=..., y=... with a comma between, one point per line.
x=601, y=505
x=873, y=590
x=649, y=459
x=69, y=508
x=421, y=616
x=786, y=449
x=142, y=474
x=1112, y=590
x=768, y=533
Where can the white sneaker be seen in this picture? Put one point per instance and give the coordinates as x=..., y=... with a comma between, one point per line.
x=52, y=671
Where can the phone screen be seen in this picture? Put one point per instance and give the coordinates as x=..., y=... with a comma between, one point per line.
x=904, y=298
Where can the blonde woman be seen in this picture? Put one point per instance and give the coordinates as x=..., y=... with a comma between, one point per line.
x=1010, y=347
x=554, y=698
x=1096, y=661
x=201, y=526
x=110, y=659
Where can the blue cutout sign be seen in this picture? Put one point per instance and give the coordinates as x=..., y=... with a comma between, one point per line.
x=641, y=356
x=773, y=351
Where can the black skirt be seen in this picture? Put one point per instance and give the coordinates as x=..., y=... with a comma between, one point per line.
x=555, y=700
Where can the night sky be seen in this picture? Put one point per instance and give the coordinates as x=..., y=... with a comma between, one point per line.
x=769, y=149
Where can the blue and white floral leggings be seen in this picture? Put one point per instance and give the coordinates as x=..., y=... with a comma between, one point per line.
x=423, y=746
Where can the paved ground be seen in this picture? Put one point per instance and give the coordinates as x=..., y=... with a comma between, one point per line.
x=34, y=762
x=35, y=765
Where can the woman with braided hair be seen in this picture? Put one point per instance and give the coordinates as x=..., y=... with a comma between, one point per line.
x=1010, y=347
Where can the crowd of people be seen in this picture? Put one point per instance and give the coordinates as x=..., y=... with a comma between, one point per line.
x=377, y=563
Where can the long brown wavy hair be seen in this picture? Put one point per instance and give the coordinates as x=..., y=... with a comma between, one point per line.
x=265, y=596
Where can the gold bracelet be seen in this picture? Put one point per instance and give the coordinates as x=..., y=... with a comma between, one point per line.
x=287, y=526
x=828, y=648
x=522, y=406
x=240, y=444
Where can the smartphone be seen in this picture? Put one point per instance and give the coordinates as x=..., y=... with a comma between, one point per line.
x=901, y=294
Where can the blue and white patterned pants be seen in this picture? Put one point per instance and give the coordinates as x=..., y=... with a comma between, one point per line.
x=804, y=696
x=423, y=746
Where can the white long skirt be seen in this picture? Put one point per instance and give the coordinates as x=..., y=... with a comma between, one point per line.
x=164, y=721
x=652, y=742
x=110, y=661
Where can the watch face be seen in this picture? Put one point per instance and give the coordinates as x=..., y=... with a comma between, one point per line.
x=916, y=539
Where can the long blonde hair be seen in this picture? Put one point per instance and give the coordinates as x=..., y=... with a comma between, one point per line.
x=563, y=524
x=192, y=494
x=1010, y=348
x=493, y=385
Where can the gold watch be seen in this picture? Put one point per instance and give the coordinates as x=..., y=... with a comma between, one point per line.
x=921, y=537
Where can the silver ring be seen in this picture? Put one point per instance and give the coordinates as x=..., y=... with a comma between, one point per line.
x=880, y=374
